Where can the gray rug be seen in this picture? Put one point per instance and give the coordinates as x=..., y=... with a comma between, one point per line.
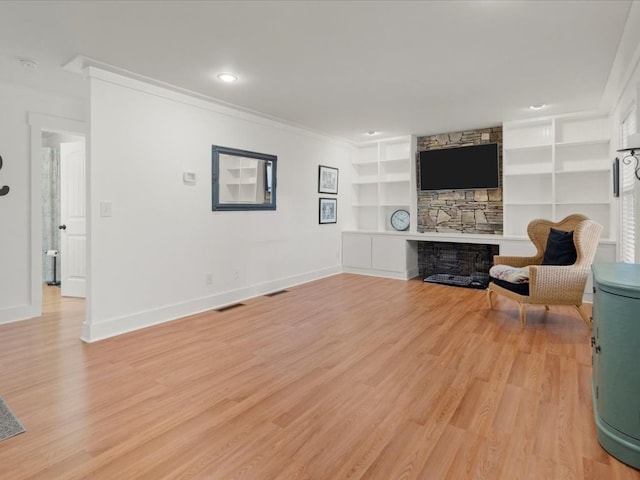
x=9, y=424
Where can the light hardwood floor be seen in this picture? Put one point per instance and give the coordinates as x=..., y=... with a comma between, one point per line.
x=349, y=377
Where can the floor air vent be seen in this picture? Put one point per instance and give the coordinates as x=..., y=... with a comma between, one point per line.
x=229, y=307
x=273, y=294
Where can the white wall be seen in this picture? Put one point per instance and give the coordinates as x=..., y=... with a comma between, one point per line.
x=16, y=300
x=148, y=262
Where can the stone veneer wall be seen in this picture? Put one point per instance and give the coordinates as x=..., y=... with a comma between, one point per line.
x=461, y=211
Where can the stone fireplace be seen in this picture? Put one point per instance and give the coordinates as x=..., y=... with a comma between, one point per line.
x=461, y=211
x=461, y=264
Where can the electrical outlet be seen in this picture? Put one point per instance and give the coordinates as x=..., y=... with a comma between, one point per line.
x=209, y=279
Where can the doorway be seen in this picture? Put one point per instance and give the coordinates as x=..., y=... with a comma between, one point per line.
x=64, y=213
x=42, y=129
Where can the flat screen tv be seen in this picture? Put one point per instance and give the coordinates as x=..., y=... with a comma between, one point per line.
x=460, y=168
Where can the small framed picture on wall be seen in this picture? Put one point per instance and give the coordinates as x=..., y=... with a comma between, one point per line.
x=328, y=210
x=327, y=179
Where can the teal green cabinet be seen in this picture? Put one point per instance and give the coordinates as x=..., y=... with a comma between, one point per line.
x=615, y=354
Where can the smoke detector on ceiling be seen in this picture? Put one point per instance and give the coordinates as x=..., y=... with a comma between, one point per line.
x=28, y=64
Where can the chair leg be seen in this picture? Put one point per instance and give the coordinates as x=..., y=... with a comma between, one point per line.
x=489, y=299
x=584, y=316
x=523, y=314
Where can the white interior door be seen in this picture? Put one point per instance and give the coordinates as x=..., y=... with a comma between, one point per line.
x=73, y=223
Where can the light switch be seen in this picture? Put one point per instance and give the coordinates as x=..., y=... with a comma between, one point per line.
x=105, y=209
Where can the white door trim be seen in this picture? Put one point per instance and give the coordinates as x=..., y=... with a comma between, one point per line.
x=38, y=123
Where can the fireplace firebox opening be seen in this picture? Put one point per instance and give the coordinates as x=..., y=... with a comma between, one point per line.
x=459, y=264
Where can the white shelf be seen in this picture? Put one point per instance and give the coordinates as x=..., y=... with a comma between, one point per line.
x=382, y=178
x=366, y=162
x=395, y=160
x=529, y=189
x=527, y=173
x=398, y=178
x=243, y=183
x=528, y=160
x=545, y=146
x=604, y=141
x=586, y=170
x=557, y=166
x=511, y=172
x=583, y=203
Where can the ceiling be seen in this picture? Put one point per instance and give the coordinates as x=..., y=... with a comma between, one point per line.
x=337, y=67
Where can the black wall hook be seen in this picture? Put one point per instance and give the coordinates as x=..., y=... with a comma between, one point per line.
x=5, y=189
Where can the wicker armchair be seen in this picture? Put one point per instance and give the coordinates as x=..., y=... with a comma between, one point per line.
x=552, y=284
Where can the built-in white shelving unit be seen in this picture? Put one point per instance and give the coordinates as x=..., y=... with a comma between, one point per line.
x=556, y=166
x=382, y=180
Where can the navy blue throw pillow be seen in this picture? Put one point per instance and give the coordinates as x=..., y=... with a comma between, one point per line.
x=560, y=249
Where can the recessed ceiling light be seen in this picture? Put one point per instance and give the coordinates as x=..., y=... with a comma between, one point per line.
x=539, y=106
x=227, y=77
x=371, y=133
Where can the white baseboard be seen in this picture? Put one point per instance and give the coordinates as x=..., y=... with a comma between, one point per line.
x=18, y=313
x=378, y=273
x=93, y=332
